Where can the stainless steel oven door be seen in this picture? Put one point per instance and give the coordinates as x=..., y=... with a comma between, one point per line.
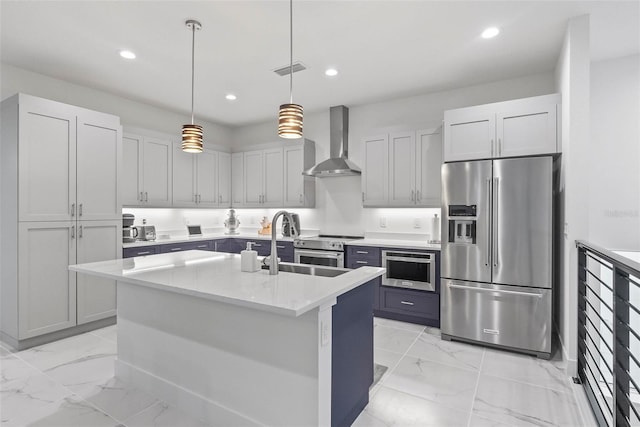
x=326, y=258
x=411, y=270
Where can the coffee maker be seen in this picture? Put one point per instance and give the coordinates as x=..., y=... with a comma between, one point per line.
x=129, y=232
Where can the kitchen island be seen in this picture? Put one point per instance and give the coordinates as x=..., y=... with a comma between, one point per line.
x=235, y=348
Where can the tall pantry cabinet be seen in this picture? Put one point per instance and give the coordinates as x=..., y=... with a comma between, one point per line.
x=60, y=168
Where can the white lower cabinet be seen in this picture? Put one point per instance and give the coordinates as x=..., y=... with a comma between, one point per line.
x=96, y=296
x=49, y=296
x=46, y=289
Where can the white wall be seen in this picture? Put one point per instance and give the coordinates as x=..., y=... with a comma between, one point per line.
x=614, y=185
x=338, y=200
x=572, y=81
x=131, y=113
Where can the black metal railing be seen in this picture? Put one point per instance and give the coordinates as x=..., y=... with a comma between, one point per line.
x=609, y=334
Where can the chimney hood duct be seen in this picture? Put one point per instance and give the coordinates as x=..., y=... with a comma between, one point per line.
x=338, y=163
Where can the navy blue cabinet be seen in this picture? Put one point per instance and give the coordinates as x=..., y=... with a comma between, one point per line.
x=139, y=251
x=359, y=256
x=203, y=245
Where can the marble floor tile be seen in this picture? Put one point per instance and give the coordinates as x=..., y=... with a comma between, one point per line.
x=83, y=376
x=394, y=408
x=12, y=367
x=519, y=404
x=431, y=347
x=109, y=333
x=117, y=399
x=68, y=412
x=28, y=394
x=527, y=369
x=393, y=339
x=163, y=415
x=386, y=358
x=381, y=321
x=57, y=353
x=440, y=384
x=477, y=421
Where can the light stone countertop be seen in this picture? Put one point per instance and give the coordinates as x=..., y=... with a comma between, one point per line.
x=396, y=243
x=217, y=276
x=206, y=236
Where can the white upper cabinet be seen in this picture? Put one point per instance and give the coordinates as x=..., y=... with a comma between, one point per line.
x=253, y=181
x=428, y=159
x=200, y=180
x=299, y=190
x=69, y=161
x=402, y=169
x=224, y=179
x=273, y=178
x=237, y=179
x=147, y=170
x=521, y=127
x=375, y=173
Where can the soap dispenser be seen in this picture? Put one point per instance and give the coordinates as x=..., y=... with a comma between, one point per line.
x=249, y=259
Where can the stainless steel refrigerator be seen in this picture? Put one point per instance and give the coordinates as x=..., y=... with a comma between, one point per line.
x=497, y=253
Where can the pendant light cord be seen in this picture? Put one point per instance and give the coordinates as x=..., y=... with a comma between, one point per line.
x=193, y=43
x=291, y=51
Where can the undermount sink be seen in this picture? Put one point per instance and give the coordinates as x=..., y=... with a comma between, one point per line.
x=310, y=270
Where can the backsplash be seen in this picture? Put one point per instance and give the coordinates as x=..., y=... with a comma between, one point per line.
x=370, y=220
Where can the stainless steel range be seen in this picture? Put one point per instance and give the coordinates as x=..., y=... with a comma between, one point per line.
x=322, y=250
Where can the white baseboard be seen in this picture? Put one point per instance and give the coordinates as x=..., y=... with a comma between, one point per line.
x=192, y=403
x=572, y=364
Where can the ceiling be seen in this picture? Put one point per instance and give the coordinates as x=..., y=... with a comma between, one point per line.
x=382, y=49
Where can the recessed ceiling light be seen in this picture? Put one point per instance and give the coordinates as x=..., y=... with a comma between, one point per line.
x=127, y=54
x=231, y=97
x=331, y=72
x=490, y=33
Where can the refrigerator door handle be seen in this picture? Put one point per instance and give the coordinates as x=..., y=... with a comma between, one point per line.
x=488, y=261
x=502, y=291
x=496, y=206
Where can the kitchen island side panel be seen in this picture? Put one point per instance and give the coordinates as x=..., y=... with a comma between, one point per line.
x=223, y=362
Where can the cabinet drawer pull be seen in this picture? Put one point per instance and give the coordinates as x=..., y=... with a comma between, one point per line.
x=143, y=253
x=280, y=247
x=362, y=262
x=406, y=302
x=202, y=246
x=362, y=252
x=175, y=249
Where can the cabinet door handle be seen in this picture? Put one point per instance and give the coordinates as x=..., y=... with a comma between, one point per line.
x=413, y=199
x=363, y=197
x=80, y=210
x=146, y=196
x=175, y=249
x=406, y=302
x=73, y=209
x=141, y=196
x=143, y=253
x=362, y=262
x=362, y=252
x=499, y=147
x=73, y=231
x=80, y=232
x=219, y=198
x=418, y=198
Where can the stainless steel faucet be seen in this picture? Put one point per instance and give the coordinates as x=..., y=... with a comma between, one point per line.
x=273, y=257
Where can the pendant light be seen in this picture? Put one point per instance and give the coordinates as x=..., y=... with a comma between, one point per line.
x=290, y=115
x=192, y=133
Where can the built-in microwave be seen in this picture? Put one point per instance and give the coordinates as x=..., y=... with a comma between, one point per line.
x=411, y=270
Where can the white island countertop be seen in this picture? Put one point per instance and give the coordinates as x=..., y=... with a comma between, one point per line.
x=216, y=276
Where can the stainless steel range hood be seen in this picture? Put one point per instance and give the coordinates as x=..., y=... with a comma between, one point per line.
x=338, y=163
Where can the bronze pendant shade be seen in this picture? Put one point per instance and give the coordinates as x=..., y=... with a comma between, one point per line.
x=192, y=133
x=290, y=121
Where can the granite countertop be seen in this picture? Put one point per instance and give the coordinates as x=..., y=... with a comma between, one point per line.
x=217, y=276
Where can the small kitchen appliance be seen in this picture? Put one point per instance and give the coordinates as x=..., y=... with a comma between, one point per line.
x=286, y=227
x=232, y=222
x=410, y=270
x=146, y=232
x=129, y=232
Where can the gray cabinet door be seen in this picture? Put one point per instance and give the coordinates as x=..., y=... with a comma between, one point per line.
x=467, y=183
x=96, y=296
x=522, y=193
x=46, y=287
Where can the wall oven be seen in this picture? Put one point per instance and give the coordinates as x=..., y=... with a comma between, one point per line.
x=319, y=257
x=411, y=270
